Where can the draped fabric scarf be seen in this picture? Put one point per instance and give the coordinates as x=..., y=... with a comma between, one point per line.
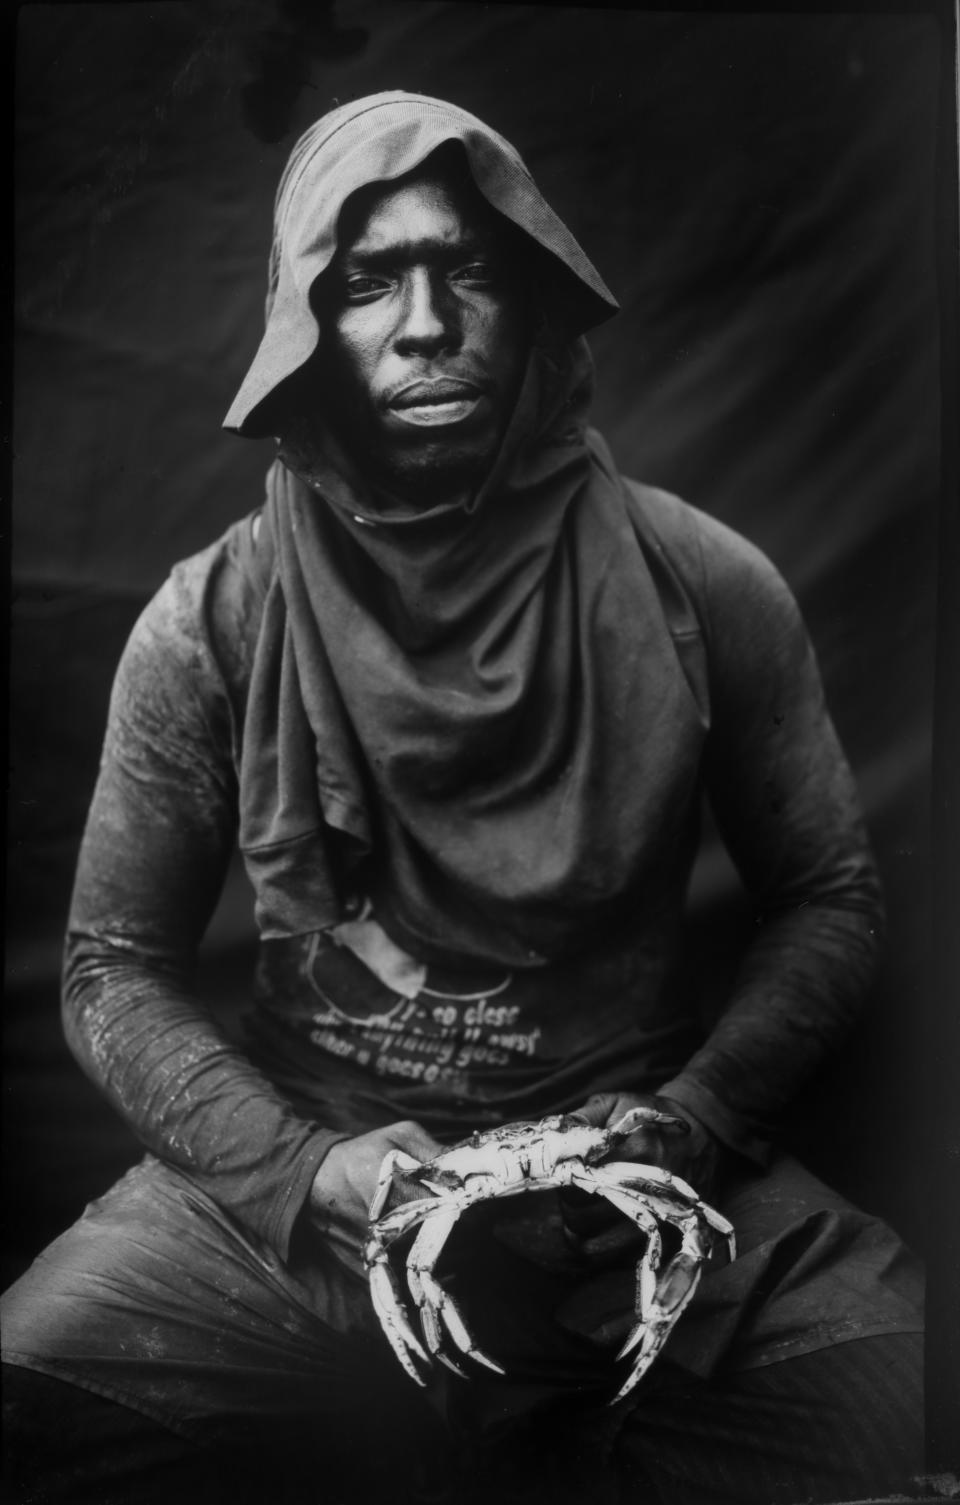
x=464, y=713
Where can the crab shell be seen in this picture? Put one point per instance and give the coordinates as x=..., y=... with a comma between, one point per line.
x=532, y=1152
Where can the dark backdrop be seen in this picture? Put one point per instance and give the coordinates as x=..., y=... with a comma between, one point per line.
x=759, y=192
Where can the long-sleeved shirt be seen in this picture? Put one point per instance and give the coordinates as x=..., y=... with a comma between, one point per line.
x=350, y=1029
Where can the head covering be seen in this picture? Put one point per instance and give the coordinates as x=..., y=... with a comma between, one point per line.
x=459, y=713
x=378, y=139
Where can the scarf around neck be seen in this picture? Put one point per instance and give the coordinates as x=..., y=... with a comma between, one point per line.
x=464, y=713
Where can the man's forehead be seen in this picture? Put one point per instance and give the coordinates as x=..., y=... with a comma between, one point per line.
x=427, y=207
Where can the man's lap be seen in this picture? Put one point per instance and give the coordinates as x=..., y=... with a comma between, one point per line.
x=157, y=1299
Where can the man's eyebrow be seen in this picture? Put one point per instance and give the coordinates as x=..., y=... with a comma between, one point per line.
x=406, y=252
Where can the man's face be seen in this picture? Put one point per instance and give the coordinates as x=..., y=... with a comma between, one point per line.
x=424, y=335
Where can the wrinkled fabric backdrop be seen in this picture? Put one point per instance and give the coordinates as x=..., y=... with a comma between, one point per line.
x=757, y=190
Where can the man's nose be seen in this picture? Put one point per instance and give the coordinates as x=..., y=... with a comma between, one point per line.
x=428, y=318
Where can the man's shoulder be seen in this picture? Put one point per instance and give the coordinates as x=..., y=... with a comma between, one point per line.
x=229, y=562
x=740, y=599
x=709, y=555
x=208, y=609
x=223, y=572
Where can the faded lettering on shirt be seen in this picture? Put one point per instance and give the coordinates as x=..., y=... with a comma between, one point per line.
x=387, y=1013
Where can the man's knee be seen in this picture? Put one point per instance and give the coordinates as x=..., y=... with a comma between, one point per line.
x=842, y=1422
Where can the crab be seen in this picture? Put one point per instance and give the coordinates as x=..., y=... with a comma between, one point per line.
x=557, y=1151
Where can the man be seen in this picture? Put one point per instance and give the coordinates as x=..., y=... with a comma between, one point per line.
x=456, y=691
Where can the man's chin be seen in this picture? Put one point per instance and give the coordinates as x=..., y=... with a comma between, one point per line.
x=431, y=473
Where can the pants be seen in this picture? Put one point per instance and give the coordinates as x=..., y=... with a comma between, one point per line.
x=160, y=1350
x=839, y=1424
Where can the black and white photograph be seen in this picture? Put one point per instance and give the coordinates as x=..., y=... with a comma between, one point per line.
x=483, y=839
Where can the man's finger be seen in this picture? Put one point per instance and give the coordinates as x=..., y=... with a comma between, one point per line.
x=597, y=1110
x=413, y=1138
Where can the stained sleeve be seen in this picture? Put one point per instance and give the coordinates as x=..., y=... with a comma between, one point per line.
x=787, y=808
x=158, y=839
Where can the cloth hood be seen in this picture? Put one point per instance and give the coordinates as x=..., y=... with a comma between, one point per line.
x=378, y=139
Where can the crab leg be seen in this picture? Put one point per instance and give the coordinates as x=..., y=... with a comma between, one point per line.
x=396, y=1223
x=596, y=1180
x=646, y=1118
x=654, y=1182
x=394, y=1160
x=455, y=1324
x=429, y=1234
x=385, y=1296
x=422, y=1257
x=715, y=1221
x=675, y=1287
x=384, y=1287
x=434, y=1304
x=634, y=1206
x=654, y=1335
x=658, y=1320
x=652, y=1177
x=659, y=1302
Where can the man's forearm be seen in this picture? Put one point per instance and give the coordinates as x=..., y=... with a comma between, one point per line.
x=185, y=1090
x=797, y=994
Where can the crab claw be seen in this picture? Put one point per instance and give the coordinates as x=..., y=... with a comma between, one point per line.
x=652, y=1336
x=657, y=1322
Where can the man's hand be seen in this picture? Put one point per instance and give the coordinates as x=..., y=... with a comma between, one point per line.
x=345, y=1183
x=693, y=1155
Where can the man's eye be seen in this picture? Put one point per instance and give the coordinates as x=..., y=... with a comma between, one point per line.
x=476, y=274
x=360, y=287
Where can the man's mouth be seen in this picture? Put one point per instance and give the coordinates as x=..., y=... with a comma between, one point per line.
x=431, y=403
